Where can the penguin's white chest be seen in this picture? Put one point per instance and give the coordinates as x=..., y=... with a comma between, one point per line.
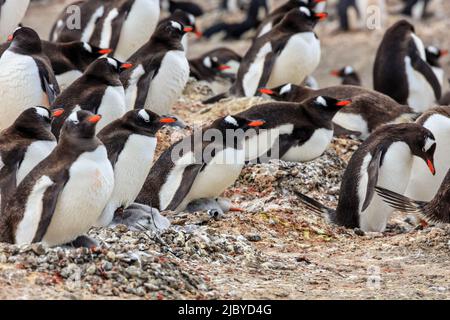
x=219, y=174
x=12, y=12
x=112, y=106
x=311, y=149
x=130, y=171
x=137, y=28
x=36, y=152
x=421, y=95
x=439, y=72
x=168, y=85
x=251, y=79
x=299, y=59
x=423, y=186
x=352, y=122
x=393, y=175
x=258, y=146
x=67, y=78
x=132, y=88
x=20, y=86
x=83, y=198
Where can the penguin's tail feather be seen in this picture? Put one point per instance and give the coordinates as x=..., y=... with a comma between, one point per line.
x=316, y=207
x=400, y=202
x=216, y=98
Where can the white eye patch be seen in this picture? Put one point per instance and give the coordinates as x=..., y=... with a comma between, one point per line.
x=428, y=144
x=348, y=70
x=320, y=100
x=305, y=11
x=176, y=25
x=42, y=112
x=144, y=115
x=87, y=47
x=112, y=62
x=73, y=117
x=191, y=18
x=231, y=120
x=286, y=89
x=207, y=62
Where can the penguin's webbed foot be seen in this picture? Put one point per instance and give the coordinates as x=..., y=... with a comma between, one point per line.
x=83, y=242
x=139, y=217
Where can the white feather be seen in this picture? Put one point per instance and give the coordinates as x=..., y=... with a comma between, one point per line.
x=311, y=149
x=105, y=39
x=251, y=79
x=112, y=106
x=90, y=26
x=12, y=13
x=36, y=152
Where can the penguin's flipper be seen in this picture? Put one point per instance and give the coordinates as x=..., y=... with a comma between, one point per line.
x=341, y=131
x=400, y=202
x=267, y=71
x=50, y=90
x=189, y=175
x=49, y=201
x=316, y=206
x=143, y=89
x=372, y=174
x=425, y=69
x=48, y=81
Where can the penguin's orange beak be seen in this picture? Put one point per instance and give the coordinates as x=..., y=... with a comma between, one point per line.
x=198, y=33
x=321, y=15
x=10, y=38
x=57, y=113
x=167, y=120
x=126, y=66
x=430, y=165
x=343, y=103
x=224, y=67
x=95, y=119
x=256, y=123
x=335, y=73
x=443, y=53
x=236, y=209
x=188, y=29
x=267, y=91
x=319, y=1
x=105, y=51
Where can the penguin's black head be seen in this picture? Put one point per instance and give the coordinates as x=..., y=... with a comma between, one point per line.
x=25, y=39
x=345, y=71
x=236, y=122
x=327, y=107
x=423, y=145
x=302, y=19
x=173, y=30
x=281, y=93
x=307, y=3
x=213, y=64
x=146, y=122
x=434, y=54
x=81, y=124
x=187, y=20
x=37, y=117
x=90, y=52
x=107, y=65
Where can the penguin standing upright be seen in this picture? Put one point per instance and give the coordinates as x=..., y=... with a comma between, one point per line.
x=131, y=143
x=288, y=53
x=123, y=26
x=160, y=70
x=421, y=185
x=65, y=194
x=197, y=167
x=437, y=209
x=368, y=111
x=401, y=70
x=348, y=75
x=26, y=76
x=98, y=90
x=11, y=14
x=385, y=159
x=433, y=55
x=23, y=145
x=416, y=9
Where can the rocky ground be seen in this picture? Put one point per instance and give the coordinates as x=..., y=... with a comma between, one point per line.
x=275, y=249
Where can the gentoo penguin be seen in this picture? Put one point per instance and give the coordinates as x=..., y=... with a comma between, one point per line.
x=436, y=210
x=220, y=62
x=210, y=71
x=26, y=76
x=23, y=145
x=278, y=14
x=199, y=166
x=226, y=57
x=123, y=26
x=368, y=111
x=296, y=132
x=256, y=13
x=433, y=55
x=288, y=53
x=348, y=75
x=421, y=185
x=65, y=194
x=131, y=143
x=98, y=90
x=366, y=10
x=160, y=70
x=416, y=9
x=68, y=59
x=11, y=14
x=401, y=70
x=385, y=159
x=187, y=6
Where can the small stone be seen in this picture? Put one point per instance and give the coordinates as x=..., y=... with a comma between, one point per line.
x=111, y=256
x=38, y=249
x=253, y=237
x=91, y=270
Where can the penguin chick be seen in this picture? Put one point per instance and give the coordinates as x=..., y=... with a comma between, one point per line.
x=98, y=90
x=65, y=194
x=385, y=160
x=131, y=143
x=23, y=145
x=348, y=76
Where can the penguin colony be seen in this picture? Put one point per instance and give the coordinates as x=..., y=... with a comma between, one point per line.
x=80, y=114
